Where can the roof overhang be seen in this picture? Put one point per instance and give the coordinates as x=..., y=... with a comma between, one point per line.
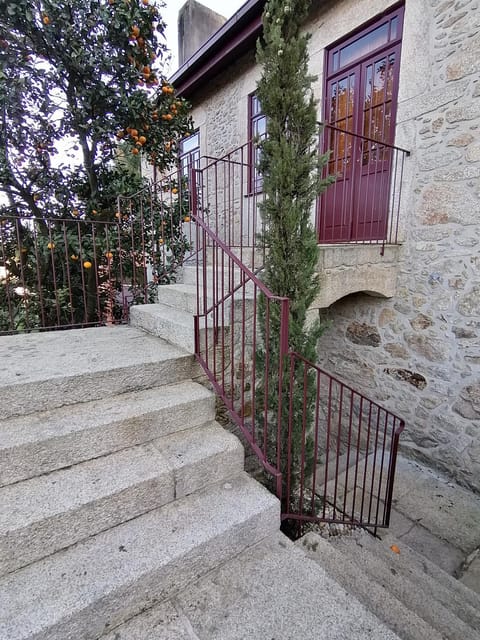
x=233, y=39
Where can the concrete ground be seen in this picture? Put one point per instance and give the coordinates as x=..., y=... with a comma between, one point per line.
x=439, y=519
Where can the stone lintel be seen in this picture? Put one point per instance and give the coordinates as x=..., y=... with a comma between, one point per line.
x=352, y=268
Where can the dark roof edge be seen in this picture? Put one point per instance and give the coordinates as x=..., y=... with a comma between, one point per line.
x=245, y=24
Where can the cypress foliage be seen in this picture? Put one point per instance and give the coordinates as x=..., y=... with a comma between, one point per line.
x=291, y=171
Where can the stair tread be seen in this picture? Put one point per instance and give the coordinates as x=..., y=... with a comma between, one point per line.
x=38, y=443
x=411, y=559
x=444, y=588
x=84, y=364
x=112, y=576
x=85, y=415
x=60, y=491
x=173, y=315
x=58, y=354
x=270, y=591
x=53, y=511
x=441, y=615
x=372, y=594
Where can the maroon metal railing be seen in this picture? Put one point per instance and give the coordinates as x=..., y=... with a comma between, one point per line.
x=67, y=273
x=363, y=203
x=329, y=451
x=345, y=463
x=88, y=269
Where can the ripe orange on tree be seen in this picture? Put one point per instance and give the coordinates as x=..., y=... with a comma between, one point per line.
x=87, y=264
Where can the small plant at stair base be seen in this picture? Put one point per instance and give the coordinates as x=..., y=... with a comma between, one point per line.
x=291, y=170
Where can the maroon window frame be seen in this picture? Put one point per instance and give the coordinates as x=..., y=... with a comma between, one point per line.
x=355, y=207
x=189, y=152
x=257, y=128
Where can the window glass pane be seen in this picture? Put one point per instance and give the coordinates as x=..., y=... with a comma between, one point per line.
x=255, y=106
x=260, y=127
x=190, y=152
x=379, y=81
x=364, y=45
x=394, y=28
x=335, y=61
x=190, y=143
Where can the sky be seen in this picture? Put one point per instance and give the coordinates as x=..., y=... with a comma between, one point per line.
x=225, y=8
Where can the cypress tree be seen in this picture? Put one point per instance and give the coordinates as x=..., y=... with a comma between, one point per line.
x=291, y=169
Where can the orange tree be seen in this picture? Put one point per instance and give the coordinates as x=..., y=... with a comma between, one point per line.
x=78, y=79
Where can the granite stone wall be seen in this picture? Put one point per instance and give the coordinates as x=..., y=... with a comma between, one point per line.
x=417, y=353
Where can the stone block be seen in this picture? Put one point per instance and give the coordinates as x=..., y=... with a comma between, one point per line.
x=364, y=334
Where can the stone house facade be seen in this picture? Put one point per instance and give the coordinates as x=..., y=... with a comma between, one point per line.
x=405, y=325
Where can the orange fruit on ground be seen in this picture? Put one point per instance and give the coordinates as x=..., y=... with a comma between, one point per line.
x=87, y=264
x=51, y=245
x=395, y=548
x=135, y=151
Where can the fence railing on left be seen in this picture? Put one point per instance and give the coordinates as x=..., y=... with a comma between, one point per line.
x=88, y=269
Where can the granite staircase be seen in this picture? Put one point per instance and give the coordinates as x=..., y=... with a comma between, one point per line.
x=117, y=486
x=125, y=513
x=410, y=594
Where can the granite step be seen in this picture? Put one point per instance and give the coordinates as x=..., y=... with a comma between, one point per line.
x=51, y=512
x=271, y=591
x=171, y=324
x=42, y=371
x=45, y=441
x=98, y=584
x=411, y=588
x=376, y=598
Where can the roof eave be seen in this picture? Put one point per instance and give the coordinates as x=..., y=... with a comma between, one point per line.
x=230, y=41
